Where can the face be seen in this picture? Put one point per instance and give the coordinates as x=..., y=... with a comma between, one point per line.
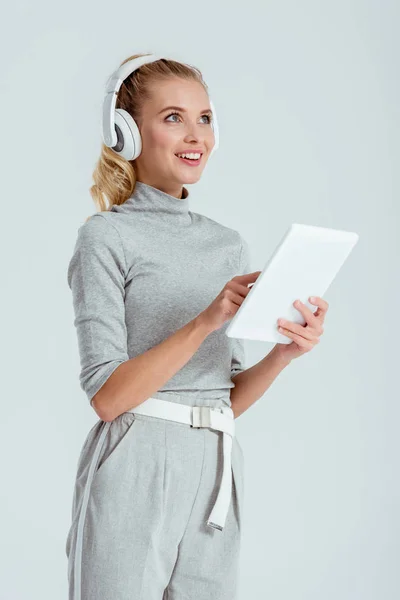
x=167, y=132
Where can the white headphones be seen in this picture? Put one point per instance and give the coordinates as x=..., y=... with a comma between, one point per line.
x=119, y=130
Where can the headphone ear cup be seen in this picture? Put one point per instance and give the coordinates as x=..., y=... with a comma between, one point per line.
x=129, y=144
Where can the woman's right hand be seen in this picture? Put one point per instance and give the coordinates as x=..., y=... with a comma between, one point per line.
x=228, y=301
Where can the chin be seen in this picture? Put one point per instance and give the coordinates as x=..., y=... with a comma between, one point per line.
x=193, y=179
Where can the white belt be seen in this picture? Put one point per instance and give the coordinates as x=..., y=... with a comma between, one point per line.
x=201, y=416
x=221, y=419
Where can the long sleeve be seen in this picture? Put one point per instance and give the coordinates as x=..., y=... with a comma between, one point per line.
x=238, y=352
x=96, y=276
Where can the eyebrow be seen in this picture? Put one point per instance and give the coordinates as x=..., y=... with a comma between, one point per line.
x=182, y=109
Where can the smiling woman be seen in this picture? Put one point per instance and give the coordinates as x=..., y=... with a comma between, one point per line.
x=153, y=283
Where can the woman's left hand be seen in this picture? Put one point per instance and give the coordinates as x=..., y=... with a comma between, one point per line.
x=306, y=336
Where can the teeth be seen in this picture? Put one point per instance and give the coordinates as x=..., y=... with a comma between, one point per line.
x=192, y=155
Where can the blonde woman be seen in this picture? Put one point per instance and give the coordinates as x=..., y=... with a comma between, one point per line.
x=158, y=499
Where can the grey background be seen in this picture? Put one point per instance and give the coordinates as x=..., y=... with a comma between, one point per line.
x=307, y=97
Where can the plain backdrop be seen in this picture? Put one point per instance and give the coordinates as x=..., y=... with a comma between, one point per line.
x=307, y=96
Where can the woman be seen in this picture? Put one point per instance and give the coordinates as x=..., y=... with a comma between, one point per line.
x=156, y=513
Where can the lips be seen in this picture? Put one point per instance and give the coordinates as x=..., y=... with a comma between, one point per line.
x=190, y=161
x=193, y=152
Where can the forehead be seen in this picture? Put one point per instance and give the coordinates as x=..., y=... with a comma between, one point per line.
x=188, y=94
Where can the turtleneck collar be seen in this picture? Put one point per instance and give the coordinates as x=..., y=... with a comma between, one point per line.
x=147, y=198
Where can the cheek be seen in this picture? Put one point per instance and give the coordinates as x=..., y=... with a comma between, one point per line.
x=210, y=138
x=162, y=139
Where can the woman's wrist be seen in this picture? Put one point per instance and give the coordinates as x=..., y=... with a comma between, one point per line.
x=279, y=356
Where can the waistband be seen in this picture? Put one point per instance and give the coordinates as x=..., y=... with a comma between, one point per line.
x=220, y=419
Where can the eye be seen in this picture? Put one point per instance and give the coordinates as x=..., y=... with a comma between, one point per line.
x=208, y=115
x=172, y=114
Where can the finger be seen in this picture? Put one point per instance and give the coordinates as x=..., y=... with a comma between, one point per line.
x=309, y=316
x=307, y=332
x=247, y=277
x=239, y=288
x=300, y=340
x=234, y=297
x=322, y=306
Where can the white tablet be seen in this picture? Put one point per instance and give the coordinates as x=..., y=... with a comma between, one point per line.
x=304, y=264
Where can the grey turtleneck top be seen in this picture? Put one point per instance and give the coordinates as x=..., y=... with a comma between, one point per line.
x=142, y=270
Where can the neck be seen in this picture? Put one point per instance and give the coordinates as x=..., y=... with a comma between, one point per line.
x=172, y=190
x=147, y=198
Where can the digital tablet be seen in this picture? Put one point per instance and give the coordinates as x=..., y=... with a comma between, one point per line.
x=304, y=264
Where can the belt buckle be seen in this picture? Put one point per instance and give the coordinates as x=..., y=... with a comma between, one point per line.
x=201, y=416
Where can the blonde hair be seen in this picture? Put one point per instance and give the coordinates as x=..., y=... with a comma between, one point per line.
x=114, y=176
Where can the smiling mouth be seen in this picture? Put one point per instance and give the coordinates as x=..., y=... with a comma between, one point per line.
x=191, y=161
x=201, y=154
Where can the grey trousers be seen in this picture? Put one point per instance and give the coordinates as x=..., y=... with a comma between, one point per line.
x=145, y=535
